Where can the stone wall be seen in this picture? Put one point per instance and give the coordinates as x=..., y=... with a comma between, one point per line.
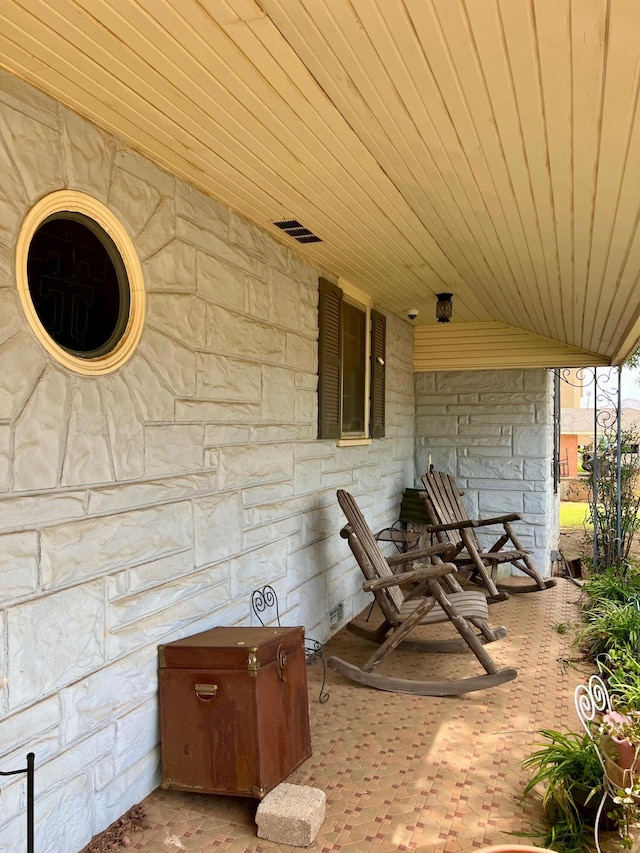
x=493, y=430
x=146, y=505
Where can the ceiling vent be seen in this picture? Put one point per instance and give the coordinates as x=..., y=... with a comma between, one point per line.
x=297, y=230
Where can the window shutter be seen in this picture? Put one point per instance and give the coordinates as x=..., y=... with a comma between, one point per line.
x=378, y=368
x=329, y=360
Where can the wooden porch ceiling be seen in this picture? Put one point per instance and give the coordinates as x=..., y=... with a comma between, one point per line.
x=487, y=148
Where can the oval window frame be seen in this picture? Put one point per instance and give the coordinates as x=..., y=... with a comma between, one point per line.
x=72, y=201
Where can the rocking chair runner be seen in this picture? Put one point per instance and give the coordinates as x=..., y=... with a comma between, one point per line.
x=428, y=603
x=451, y=524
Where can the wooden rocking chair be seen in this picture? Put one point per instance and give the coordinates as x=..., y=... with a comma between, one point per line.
x=451, y=524
x=437, y=598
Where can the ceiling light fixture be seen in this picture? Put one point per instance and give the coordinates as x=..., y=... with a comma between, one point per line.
x=444, y=307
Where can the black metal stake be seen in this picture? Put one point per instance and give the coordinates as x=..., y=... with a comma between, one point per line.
x=30, y=771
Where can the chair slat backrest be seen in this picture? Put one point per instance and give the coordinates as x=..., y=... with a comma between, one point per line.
x=369, y=556
x=445, y=501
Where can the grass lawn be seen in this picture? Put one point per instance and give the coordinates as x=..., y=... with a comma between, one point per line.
x=573, y=514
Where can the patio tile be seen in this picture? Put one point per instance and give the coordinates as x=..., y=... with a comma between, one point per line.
x=410, y=773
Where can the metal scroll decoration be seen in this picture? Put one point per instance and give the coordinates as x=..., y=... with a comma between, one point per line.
x=265, y=599
x=603, y=461
x=592, y=700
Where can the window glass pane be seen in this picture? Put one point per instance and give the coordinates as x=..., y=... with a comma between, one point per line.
x=78, y=284
x=354, y=324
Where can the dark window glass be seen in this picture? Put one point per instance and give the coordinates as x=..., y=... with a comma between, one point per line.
x=353, y=368
x=78, y=284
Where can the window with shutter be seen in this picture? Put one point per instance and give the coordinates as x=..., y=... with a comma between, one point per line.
x=351, y=365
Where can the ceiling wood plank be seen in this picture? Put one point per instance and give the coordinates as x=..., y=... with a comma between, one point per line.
x=488, y=148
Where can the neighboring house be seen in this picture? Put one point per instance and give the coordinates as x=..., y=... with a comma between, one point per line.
x=156, y=471
x=578, y=427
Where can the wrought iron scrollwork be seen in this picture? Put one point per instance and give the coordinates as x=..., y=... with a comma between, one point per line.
x=266, y=598
x=603, y=460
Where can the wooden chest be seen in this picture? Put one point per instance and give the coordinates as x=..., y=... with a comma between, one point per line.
x=234, y=710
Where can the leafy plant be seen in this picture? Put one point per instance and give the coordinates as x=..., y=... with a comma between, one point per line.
x=603, y=507
x=568, y=766
x=621, y=668
x=610, y=625
x=614, y=583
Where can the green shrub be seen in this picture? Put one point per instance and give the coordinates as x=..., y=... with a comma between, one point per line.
x=610, y=625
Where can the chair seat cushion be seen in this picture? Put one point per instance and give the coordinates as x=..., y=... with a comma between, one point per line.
x=470, y=604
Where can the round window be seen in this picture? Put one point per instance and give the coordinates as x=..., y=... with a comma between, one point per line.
x=80, y=282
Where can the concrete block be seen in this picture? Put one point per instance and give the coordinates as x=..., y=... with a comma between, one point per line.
x=291, y=814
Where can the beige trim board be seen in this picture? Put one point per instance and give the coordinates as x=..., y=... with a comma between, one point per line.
x=493, y=346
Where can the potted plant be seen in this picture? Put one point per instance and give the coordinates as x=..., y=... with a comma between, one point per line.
x=620, y=747
x=623, y=731
x=568, y=767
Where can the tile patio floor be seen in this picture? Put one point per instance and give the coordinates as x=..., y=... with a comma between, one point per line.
x=410, y=772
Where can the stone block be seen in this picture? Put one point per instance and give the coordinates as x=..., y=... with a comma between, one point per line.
x=96, y=701
x=278, y=394
x=147, y=575
x=153, y=397
x=284, y=301
x=173, y=269
x=18, y=565
x=144, y=169
x=180, y=315
x=132, y=199
x=97, y=546
x=112, y=499
x=121, y=793
x=246, y=235
x=41, y=509
x=36, y=151
x=187, y=616
x=229, y=379
x=212, y=244
x=537, y=469
x=254, y=569
x=531, y=441
x=306, y=409
x=87, y=459
x=175, y=364
x=224, y=284
x=21, y=362
x=234, y=334
x=126, y=432
x=432, y=425
x=198, y=207
x=136, y=608
x=157, y=231
x=88, y=154
x=54, y=641
x=218, y=527
x=173, y=449
x=257, y=294
x=58, y=827
x=302, y=352
x=291, y=814
x=499, y=469
x=248, y=466
x=23, y=97
x=425, y=383
x=477, y=381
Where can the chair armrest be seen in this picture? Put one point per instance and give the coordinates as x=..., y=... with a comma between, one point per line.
x=498, y=519
x=442, y=549
x=421, y=574
x=453, y=525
